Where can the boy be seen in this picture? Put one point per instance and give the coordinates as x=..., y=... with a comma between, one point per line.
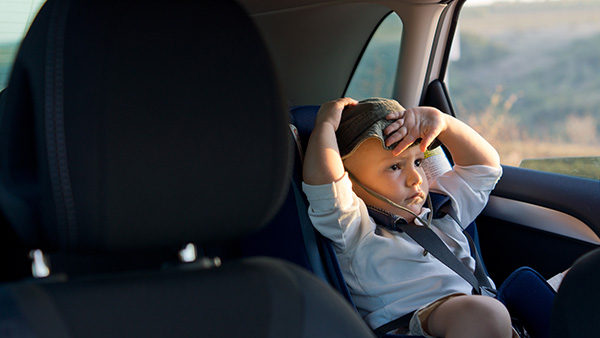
x=374, y=144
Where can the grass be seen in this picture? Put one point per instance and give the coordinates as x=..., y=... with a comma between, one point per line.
x=513, y=152
x=528, y=82
x=588, y=167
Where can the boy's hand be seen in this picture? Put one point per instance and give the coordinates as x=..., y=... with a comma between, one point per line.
x=331, y=112
x=420, y=122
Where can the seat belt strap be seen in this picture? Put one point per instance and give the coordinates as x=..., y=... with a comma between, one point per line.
x=485, y=284
x=479, y=273
x=431, y=242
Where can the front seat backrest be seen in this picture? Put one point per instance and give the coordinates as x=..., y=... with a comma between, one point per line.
x=136, y=108
x=125, y=131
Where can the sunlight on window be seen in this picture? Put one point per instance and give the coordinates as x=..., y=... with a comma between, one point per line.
x=15, y=18
x=528, y=79
x=375, y=73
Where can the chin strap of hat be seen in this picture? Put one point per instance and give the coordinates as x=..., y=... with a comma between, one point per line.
x=392, y=203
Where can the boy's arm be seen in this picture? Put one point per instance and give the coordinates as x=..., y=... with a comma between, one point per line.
x=322, y=161
x=465, y=144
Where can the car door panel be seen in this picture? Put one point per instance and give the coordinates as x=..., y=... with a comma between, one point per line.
x=539, y=219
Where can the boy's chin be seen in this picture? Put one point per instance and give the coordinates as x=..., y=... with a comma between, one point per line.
x=416, y=208
x=407, y=216
x=402, y=213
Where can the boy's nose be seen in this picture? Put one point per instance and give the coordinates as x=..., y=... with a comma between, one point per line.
x=414, y=178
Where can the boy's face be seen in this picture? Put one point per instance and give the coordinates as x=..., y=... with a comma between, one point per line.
x=399, y=178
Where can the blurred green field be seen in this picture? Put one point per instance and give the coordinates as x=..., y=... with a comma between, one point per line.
x=588, y=167
x=528, y=79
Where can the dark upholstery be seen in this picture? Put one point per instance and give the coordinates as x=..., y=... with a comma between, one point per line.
x=250, y=298
x=134, y=122
x=133, y=127
x=575, y=310
x=290, y=235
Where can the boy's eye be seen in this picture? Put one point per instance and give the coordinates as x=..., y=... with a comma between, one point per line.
x=395, y=167
x=418, y=163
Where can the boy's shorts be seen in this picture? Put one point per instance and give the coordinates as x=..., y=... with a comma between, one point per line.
x=420, y=316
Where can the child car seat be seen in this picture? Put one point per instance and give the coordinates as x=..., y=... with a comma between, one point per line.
x=291, y=235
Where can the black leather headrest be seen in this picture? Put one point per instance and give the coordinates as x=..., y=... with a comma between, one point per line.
x=141, y=124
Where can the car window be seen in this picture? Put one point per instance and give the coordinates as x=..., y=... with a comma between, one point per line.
x=15, y=18
x=374, y=75
x=526, y=75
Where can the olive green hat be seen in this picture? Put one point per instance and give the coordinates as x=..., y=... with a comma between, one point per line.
x=366, y=120
x=363, y=121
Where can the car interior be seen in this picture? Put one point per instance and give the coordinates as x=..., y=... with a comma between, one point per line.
x=131, y=130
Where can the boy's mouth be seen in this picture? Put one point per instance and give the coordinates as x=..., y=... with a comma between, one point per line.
x=418, y=195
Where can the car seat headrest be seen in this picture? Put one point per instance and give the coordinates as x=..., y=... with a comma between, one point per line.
x=136, y=124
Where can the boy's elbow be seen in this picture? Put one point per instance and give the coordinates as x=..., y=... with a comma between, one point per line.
x=497, y=160
x=494, y=159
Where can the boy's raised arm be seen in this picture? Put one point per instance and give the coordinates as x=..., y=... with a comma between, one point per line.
x=465, y=144
x=322, y=161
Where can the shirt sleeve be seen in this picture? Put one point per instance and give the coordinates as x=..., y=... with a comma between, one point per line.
x=469, y=188
x=337, y=213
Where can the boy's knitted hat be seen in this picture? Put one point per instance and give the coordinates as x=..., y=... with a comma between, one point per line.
x=363, y=121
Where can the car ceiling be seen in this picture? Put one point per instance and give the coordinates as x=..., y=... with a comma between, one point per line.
x=316, y=44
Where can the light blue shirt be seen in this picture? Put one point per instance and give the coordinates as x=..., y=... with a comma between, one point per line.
x=387, y=273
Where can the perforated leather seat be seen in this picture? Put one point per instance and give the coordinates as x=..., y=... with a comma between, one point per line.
x=125, y=135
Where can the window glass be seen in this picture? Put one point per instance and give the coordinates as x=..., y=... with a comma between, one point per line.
x=526, y=75
x=374, y=75
x=15, y=18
